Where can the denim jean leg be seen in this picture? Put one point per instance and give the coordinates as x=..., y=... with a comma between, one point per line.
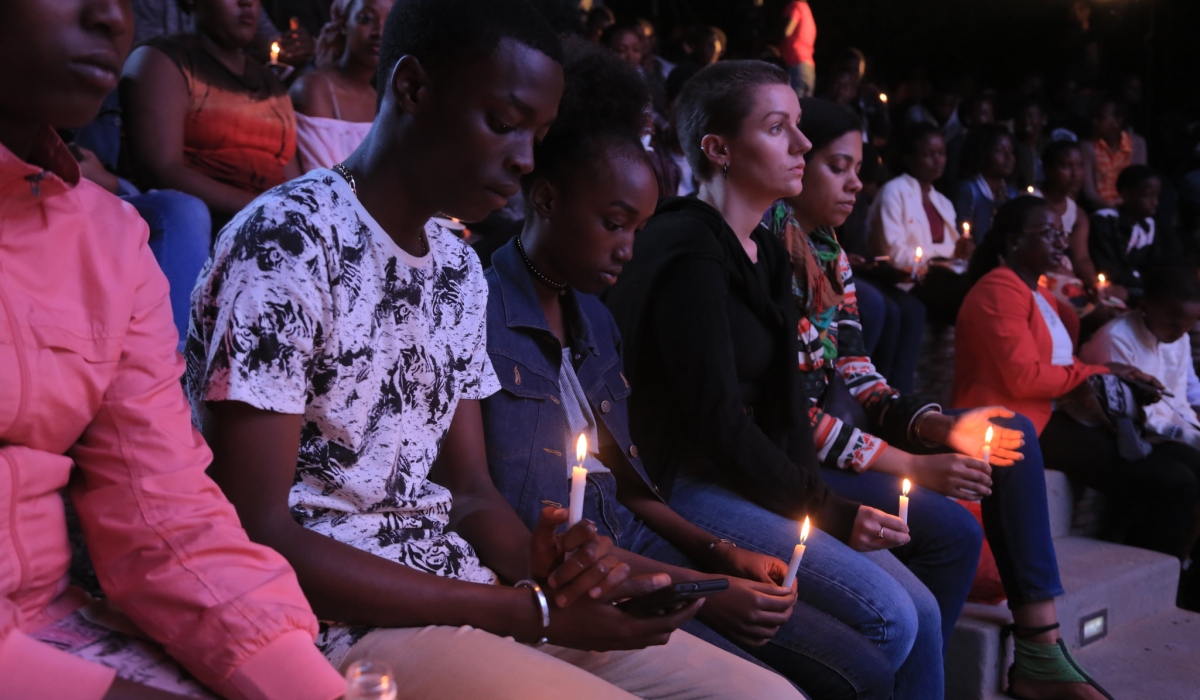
x=832, y=578
x=823, y=657
x=1017, y=520
x=180, y=238
x=946, y=539
x=923, y=674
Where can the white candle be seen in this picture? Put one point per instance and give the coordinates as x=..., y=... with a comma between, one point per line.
x=275, y=53
x=966, y=229
x=904, y=501
x=987, y=446
x=797, y=555
x=578, y=482
x=920, y=253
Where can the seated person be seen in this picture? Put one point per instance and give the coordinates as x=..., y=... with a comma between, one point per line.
x=983, y=187
x=180, y=227
x=1110, y=150
x=1029, y=140
x=974, y=112
x=204, y=118
x=860, y=465
x=708, y=325
x=909, y=214
x=1014, y=347
x=338, y=357
x=1126, y=238
x=335, y=102
x=590, y=192
x=1075, y=282
x=93, y=411
x=1154, y=338
x=625, y=40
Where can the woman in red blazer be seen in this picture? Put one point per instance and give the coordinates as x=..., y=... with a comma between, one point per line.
x=1014, y=347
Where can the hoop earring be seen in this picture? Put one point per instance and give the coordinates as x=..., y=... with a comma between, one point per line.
x=725, y=172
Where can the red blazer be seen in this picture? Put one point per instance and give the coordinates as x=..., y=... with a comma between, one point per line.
x=1002, y=350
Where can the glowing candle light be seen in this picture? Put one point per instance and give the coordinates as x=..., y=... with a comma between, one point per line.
x=1029, y=189
x=920, y=253
x=883, y=97
x=987, y=445
x=578, y=482
x=1101, y=282
x=797, y=555
x=275, y=53
x=966, y=229
x=904, y=501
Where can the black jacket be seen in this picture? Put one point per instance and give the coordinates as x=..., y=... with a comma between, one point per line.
x=711, y=352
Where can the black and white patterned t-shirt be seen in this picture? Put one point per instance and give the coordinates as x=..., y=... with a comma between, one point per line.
x=308, y=307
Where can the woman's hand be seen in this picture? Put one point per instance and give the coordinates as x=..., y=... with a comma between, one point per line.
x=874, y=529
x=964, y=248
x=749, y=613
x=968, y=433
x=954, y=475
x=744, y=563
x=575, y=563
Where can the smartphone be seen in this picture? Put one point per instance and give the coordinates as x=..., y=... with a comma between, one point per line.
x=672, y=598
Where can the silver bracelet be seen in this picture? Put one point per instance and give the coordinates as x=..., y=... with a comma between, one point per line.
x=713, y=545
x=542, y=603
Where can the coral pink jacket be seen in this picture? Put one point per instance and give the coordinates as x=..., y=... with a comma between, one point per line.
x=1002, y=350
x=90, y=402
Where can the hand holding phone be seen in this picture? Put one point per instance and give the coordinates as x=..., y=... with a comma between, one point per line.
x=672, y=598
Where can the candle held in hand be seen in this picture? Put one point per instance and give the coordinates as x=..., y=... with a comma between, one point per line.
x=578, y=482
x=797, y=555
x=275, y=53
x=904, y=501
x=987, y=445
x=966, y=229
x=918, y=254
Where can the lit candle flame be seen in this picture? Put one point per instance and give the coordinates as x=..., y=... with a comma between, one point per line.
x=883, y=97
x=804, y=530
x=987, y=438
x=581, y=449
x=1101, y=278
x=1029, y=189
x=274, y=51
x=966, y=229
x=920, y=253
x=906, y=487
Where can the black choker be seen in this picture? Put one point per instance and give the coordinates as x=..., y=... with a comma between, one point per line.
x=560, y=287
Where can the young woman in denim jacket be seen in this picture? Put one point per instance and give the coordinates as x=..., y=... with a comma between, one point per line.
x=557, y=353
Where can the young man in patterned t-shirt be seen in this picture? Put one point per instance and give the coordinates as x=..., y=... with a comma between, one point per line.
x=337, y=358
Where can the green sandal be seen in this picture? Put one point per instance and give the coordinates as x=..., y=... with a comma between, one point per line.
x=1051, y=663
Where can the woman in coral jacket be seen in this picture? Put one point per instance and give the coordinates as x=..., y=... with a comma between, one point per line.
x=1014, y=346
x=91, y=405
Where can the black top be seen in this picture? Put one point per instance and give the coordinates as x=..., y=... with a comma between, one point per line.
x=711, y=352
x=1117, y=255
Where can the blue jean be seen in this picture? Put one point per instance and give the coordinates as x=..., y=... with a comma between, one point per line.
x=946, y=539
x=180, y=238
x=803, y=77
x=873, y=594
x=821, y=655
x=892, y=321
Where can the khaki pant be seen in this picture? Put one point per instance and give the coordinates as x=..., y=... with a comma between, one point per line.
x=439, y=663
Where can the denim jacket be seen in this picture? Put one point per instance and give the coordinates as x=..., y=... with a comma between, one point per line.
x=525, y=423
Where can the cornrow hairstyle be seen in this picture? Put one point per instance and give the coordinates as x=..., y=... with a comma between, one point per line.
x=603, y=109
x=1011, y=219
x=715, y=101
x=824, y=122
x=445, y=33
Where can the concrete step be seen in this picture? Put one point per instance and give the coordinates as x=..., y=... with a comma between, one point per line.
x=1152, y=659
x=1124, y=584
x=1072, y=511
